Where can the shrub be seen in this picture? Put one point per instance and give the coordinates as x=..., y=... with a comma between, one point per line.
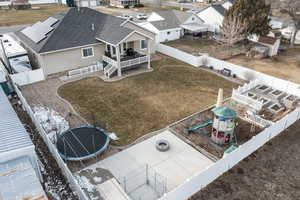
x=139, y=5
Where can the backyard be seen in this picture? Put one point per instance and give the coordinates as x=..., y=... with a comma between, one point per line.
x=286, y=65
x=201, y=46
x=140, y=104
x=18, y=17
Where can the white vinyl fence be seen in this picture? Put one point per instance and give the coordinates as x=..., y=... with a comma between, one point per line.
x=249, y=74
x=196, y=61
x=199, y=181
x=239, y=71
x=65, y=170
x=28, y=77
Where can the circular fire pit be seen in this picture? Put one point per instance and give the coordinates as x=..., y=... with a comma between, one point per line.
x=162, y=145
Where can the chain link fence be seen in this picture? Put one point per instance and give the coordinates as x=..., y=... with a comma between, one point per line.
x=144, y=182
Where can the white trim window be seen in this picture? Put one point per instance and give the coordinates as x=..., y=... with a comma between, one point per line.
x=144, y=44
x=87, y=52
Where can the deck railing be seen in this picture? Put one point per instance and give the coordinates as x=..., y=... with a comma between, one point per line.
x=135, y=61
x=126, y=63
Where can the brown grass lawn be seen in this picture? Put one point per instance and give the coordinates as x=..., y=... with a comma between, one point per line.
x=137, y=105
x=197, y=46
x=286, y=65
x=18, y=17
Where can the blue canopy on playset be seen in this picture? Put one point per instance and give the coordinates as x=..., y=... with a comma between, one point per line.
x=225, y=112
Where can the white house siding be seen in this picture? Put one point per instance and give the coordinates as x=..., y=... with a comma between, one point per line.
x=287, y=34
x=212, y=17
x=144, y=31
x=193, y=19
x=86, y=3
x=168, y=35
x=70, y=59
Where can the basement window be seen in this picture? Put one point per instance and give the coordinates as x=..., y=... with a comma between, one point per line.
x=87, y=52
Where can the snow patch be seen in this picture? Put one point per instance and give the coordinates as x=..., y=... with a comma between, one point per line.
x=97, y=179
x=113, y=136
x=52, y=122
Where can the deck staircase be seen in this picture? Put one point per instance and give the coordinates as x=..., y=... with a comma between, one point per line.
x=109, y=70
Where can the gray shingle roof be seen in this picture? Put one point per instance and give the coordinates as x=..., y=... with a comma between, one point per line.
x=173, y=19
x=220, y=9
x=80, y=27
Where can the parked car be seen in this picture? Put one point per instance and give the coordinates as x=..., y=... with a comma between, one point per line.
x=126, y=16
x=141, y=16
x=192, y=11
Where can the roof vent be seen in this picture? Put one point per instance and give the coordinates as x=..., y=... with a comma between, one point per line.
x=93, y=26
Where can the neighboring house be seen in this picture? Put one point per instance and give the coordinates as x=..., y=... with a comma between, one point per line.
x=172, y=24
x=20, y=173
x=83, y=37
x=227, y=4
x=124, y=3
x=213, y=15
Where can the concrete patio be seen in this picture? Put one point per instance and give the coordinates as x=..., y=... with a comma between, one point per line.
x=176, y=165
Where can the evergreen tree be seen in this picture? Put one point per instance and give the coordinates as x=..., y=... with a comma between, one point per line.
x=71, y=3
x=255, y=13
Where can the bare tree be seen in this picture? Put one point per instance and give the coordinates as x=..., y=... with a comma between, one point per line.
x=292, y=8
x=232, y=31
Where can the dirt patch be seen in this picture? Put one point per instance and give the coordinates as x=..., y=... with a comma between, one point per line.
x=286, y=65
x=271, y=173
x=201, y=138
x=146, y=102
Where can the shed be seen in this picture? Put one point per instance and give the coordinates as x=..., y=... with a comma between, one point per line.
x=272, y=43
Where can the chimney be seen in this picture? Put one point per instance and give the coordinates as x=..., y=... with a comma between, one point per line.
x=220, y=98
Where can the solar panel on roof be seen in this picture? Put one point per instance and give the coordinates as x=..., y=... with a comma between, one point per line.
x=38, y=31
x=50, y=21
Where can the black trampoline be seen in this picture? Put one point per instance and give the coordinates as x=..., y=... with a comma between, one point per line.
x=82, y=143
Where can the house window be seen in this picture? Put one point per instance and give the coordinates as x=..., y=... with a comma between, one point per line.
x=168, y=33
x=144, y=44
x=193, y=18
x=87, y=52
